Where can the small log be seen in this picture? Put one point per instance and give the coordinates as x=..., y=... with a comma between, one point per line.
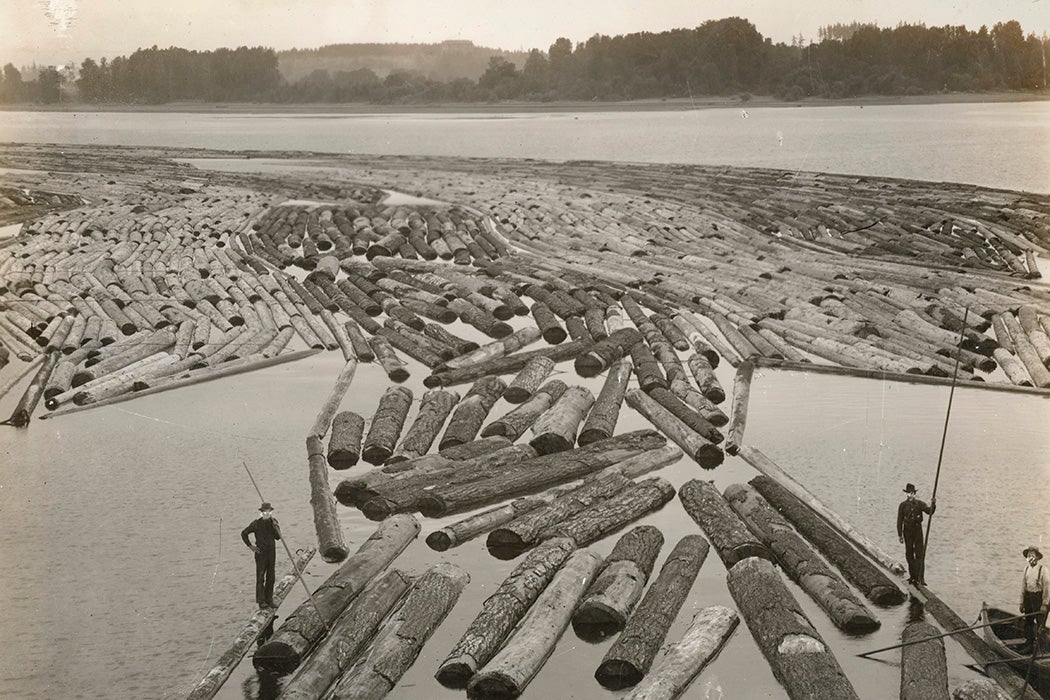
x=611, y=598
x=387, y=423
x=467, y=529
x=629, y=658
x=577, y=328
x=433, y=410
x=635, y=501
x=501, y=612
x=550, y=329
x=646, y=368
x=60, y=381
x=528, y=380
x=924, y=671
x=480, y=319
x=393, y=365
x=601, y=421
x=461, y=345
x=362, y=350
x=504, y=365
x=696, y=422
x=731, y=538
x=600, y=356
x=324, y=418
x=471, y=412
x=23, y=410
x=555, y=430
x=710, y=629
x=306, y=625
x=344, y=447
x=513, y=424
x=520, y=659
x=402, y=636
x=706, y=454
x=705, y=378
x=329, y=535
x=696, y=340
x=798, y=656
x=506, y=345
x=699, y=403
x=741, y=394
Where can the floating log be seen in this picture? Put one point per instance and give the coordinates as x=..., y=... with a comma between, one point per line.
x=692, y=419
x=209, y=685
x=471, y=412
x=798, y=656
x=326, y=523
x=402, y=636
x=696, y=340
x=467, y=529
x=513, y=424
x=480, y=319
x=741, y=394
x=629, y=658
x=522, y=656
x=23, y=410
x=387, y=422
x=26, y=371
x=856, y=568
x=980, y=689
x=731, y=538
x=600, y=356
x=555, y=430
x=685, y=392
x=433, y=410
x=362, y=350
x=706, y=454
x=801, y=562
x=305, y=626
x=393, y=365
x=705, y=378
x=601, y=421
x=550, y=329
x=634, y=501
x=507, y=345
x=646, y=368
x=504, y=365
x=710, y=629
x=924, y=673
x=324, y=418
x=344, y=447
x=461, y=345
x=528, y=380
x=611, y=598
x=501, y=612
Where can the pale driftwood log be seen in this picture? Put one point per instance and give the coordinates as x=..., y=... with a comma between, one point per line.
x=731, y=538
x=500, y=348
x=801, y=562
x=611, y=598
x=514, y=423
x=798, y=656
x=1013, y=368
x=213, y=680
x=433, y=410
x=402, y=636
x=629, y=658
x=555, y=430
x=705, y=453
x=471, y=412
x=387, y=422
x=394, y=366
x=330, y=540
x=710, y=629
x=855, y=567
x=528, y=380
x=601, y=421
x=305, y=626
x=504, y=365
x=331, y=405
x=924, y=673
x=522, y=656
x=741, y=395
x=501, y=612
x=635, y=501
x=344, y=447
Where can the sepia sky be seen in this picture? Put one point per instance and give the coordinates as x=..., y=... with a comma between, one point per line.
x=58, y=31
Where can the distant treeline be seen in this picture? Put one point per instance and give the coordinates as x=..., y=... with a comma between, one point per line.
x=723, y=57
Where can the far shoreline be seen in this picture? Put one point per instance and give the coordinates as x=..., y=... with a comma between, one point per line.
x=513, y=107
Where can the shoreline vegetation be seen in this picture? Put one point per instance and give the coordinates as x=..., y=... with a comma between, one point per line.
x=520, y=106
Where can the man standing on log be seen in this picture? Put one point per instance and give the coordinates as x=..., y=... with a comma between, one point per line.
x=909, y=531
x=1035, y=597
x=267, y=530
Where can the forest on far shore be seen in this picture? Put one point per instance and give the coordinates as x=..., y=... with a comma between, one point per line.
x=719, y=57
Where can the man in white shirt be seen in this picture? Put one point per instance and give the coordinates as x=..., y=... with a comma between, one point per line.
x=1035, y=596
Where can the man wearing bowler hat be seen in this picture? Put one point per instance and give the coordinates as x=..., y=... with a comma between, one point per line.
x=909, y=531
x=1035, y=596
x=267, y=531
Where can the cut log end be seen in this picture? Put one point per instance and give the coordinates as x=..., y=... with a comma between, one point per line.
x=342, y=459
x=455, y=674
x=549, y=443
x=594, y=621
x=555, y=336
x=335, y=553
x=400, y=374
x=375, y=454
x=592, y=435
x=516, y=395
x=279, y=658
x=616, y=674
x=377, y=509
x=439, y=541
x=432, y=382
x=710, y=456
x=887, y=596
x=430, y=506
x=492, y=686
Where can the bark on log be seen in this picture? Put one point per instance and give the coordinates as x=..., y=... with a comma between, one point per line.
x=528, y=380
x=600, y=356
x=703, y=452
x=710, y=629
x=741, y=394
x=471, y=412
x=504, y=365
x=387, y=423
x=699, y=403
x=362, y=350
x=629, y=658
x=731, y=538
x=344, y=447
x=547, y=322
x=634, y=501
x=402, y=636
x=555, y=430
x=23, y=410
x=461, y=345
x=646, y=368
x=801, y=562
x=467, y=529
x=305, y=626
x=433, y=410
x=393, y=365
x=924, y=673
x=601, y=421
x=520, y=659
x=500, y=348
x=980, y=689
x=798, y=656
x=515, y=422
x=480, y=319
x=501, y=612
x=696, y=422
x=324, y=418
x=330, y=540
x=705, y=378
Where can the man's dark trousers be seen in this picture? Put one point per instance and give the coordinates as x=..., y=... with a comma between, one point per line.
x=264, y=565
x=915, y=552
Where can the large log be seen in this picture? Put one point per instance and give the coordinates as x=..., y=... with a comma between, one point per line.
x=515, y=422
x=331, y=405
x=387, y=422
x=262, y=618
x=528, y=380
x=611, y=598
x=980, y=689
x=402, y=636
x=924, y=673
x=798, y=656
x=741, y=394
x=500, y=348
x=305, y=626
x=731, y=538
x=692, y=419
x=505, y=365
x=602, y=354
x=647, y=368
x=326, y=523
x=705, y=637
x=550, y=329
x=23, y=410
x=394, y=366
x=705, y=453
x=634, y=501
x=501, y=612
x=344, y=447
x=631, y=655
x=555, y=430
x=801, y=562
x=471, y=412
x=601, y=421
x=855, y=567
x=685, y=393
x=470, y=527
x=520, y=659
x=433, y=410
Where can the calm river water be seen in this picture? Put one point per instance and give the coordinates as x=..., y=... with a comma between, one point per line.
x=123, y=571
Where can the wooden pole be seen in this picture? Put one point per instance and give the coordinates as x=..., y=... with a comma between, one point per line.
x=741, y=395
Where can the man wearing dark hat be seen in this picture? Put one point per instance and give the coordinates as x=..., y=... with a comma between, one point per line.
x=1035, y=596
x=267, y=531
x=909, y=531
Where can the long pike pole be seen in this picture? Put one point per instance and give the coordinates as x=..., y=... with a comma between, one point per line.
x=944, y=434
x=940, y=636
x=290, y=557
